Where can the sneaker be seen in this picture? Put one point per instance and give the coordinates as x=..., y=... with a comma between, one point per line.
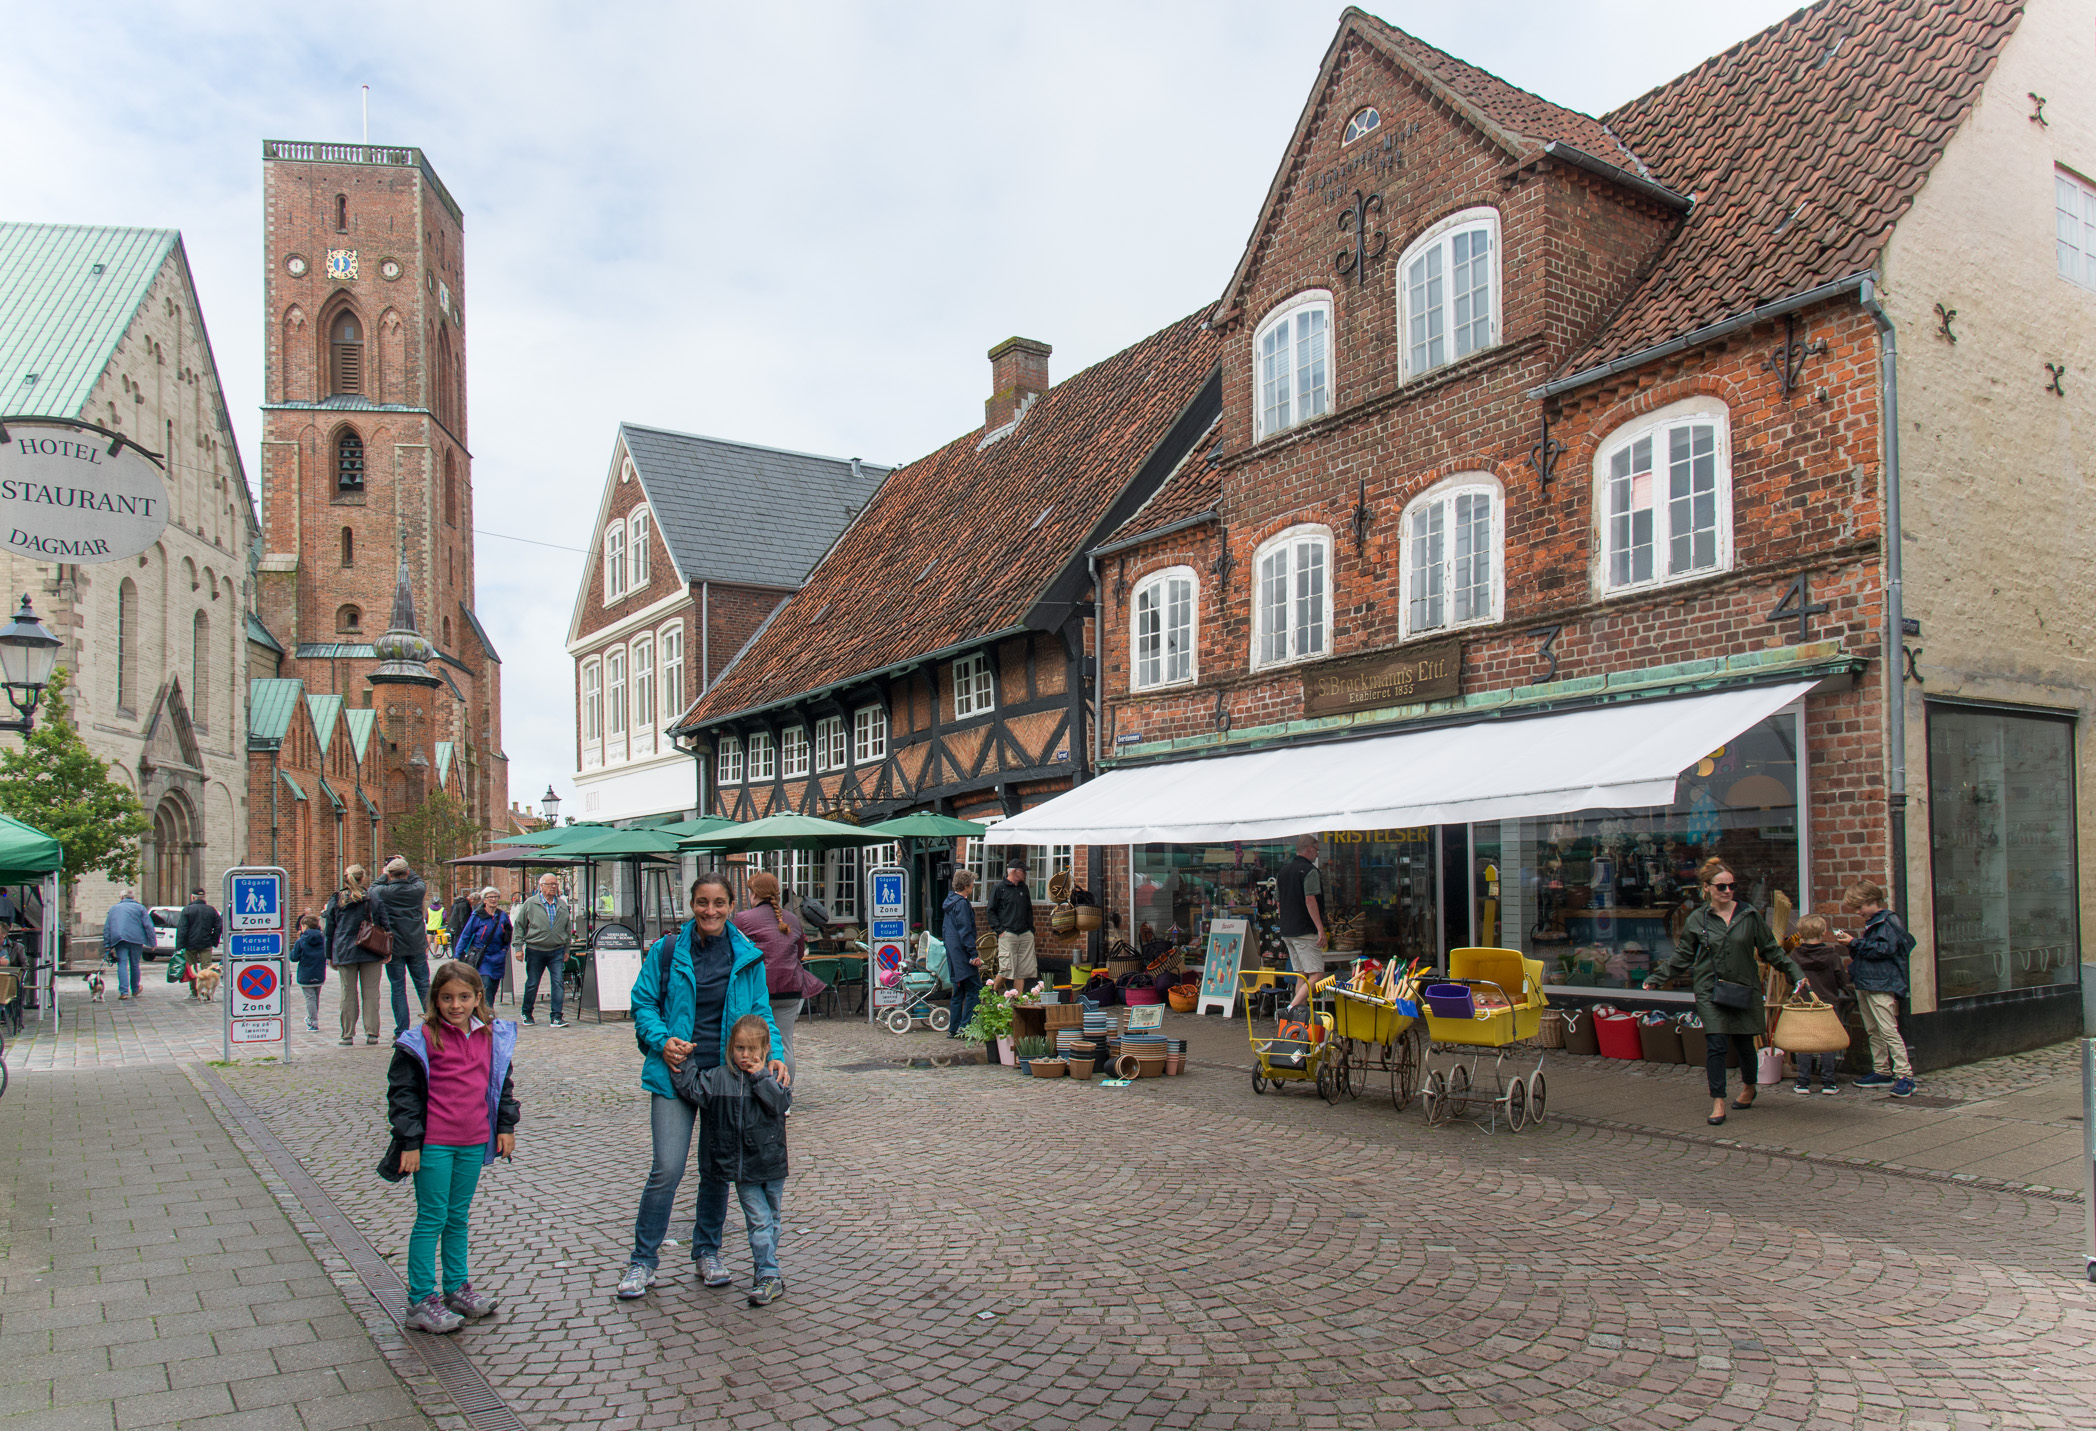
x=469, y=1302
x=766, y=1290
x=529, y=1019
x=557, y=1023
x=431, y=1315
x=637, y=1281
x=1874, y=1080
x=714, y=1272
x=370, y=1039
x=1903, y=1088
x=345, y=1043
x=1831, y=1089
x=1802, y=1087
x=312, y=1027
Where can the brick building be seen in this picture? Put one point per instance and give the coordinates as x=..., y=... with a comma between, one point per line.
x=1545, y=550
x=698, y=540
x=366, y=468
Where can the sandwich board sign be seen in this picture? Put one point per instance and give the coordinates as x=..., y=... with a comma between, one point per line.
x=257, y=1019
x=1226, y=952
x=888, y=893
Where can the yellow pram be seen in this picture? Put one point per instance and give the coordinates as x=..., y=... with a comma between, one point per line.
x=1494, y=1000
x=1313, y=1060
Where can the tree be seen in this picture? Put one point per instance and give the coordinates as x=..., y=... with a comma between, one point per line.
x=54, y=782
x=437, y=830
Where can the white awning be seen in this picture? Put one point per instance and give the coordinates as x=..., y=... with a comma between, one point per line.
x=1607, y=757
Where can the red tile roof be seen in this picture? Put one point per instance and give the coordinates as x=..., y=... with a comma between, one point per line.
x=1802, y=146
x=962, y=543
x=1195, y=488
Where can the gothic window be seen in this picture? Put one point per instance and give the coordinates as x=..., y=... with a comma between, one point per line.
x=127, y=645
x=349, y=547
x=349, y=620
x=200, y=671
x=349, y=463
x=447, y=633
x=346, y=349
x=451, y=510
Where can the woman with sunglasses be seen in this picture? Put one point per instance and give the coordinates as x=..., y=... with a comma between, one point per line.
x=1718, y=948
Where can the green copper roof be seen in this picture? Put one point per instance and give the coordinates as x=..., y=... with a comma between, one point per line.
x=324, y=709
x=67, y=294
x=259, y=634
x=271, y=703
x=329, y=791
x=297, y=791
x=443, y=754
x=361, y=722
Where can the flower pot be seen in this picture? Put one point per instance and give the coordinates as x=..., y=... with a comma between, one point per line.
x=1149, y=1068
x=1049, y=1068
x=1125, y=1066
x=1183, y=998
x=1174, y=1065
x=1080, y=1068
x=1005, y=1055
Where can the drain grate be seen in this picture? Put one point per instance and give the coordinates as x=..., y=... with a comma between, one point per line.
x=483, y=1406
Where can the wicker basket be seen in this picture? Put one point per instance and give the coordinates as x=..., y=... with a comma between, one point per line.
x=1808, y=1024
x=1063, y=919
x=1550, y=1033
x=1183, y=998
x=1059, y=886
x=1089, y=917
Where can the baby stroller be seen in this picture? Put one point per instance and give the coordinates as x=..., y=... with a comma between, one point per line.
x=919, y=983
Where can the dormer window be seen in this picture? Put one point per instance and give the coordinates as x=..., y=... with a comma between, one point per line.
x=1361, y=124
x=1293, y=382
x=1448, y=291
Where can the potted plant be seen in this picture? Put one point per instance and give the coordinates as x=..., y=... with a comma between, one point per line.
x=992, y=1023
x=1029, y=1049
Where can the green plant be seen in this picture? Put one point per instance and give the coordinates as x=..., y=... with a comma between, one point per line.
x=992, y=1019
x=55, y=783
x=1035, y=1047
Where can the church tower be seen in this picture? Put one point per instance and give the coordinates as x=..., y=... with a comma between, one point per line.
x=367, y=475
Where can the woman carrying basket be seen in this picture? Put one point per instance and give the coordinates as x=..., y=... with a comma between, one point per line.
x=1717, y=949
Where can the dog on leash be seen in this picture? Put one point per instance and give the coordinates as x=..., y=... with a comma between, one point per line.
x=95, y=989
x=207, y=982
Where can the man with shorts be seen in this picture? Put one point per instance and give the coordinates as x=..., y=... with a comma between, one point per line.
x=1011, y=916
x=1302, y=921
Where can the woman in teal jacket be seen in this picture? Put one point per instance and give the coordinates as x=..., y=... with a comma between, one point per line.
x=690, y=992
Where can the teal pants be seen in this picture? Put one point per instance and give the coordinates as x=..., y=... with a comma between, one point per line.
x=444, y=1187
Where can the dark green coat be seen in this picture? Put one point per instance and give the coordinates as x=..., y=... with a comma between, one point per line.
x=1710, y=950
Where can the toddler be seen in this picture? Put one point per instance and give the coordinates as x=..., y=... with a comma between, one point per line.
x=311, y=955
x=742, y=1139
x=452, y=1110
x=1827, y=975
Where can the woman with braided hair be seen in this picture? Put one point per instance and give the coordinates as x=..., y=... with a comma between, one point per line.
x=785, y=944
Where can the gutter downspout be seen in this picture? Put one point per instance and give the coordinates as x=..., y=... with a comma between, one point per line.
x=275, y=774
x=705, y=637
x=1895, y=607
x=1091, y=561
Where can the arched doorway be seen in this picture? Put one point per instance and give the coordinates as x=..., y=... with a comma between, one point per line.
x=173, y=866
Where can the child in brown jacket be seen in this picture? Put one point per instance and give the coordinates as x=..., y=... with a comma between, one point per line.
x=1826, y=970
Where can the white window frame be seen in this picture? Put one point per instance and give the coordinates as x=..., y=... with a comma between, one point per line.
x=1367, y=118
x=1157, y=585
x=1446, y=496
x=761, y=756
x=793, y=752
x=637, y=549
x=1657, y=426
x=974, y=686
x=640, y=663
x=988, y=862
x=832, y=745
x=1267, y=423
x=670, y=642
x=615, y=694
x=592, y=713
x=727, y=760
x=869, y=735
x=1440, y=239
x=614, y=561
x=2074, y=227
x=1296, y=645
x=840, y=870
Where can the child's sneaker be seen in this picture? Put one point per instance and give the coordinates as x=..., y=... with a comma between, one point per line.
x=528, y=1019
x=1874, y=1080
x=1830, y=1088
x=431, y=1315
x=470, y=1303
x=1903, y=1088
x=714, y=1272
x=766, y=1290
x=1802, y=1087
x=637, y=1281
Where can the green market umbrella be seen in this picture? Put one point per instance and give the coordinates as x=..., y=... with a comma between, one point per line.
x=554, y=837
x=787, y=832
x=27, y=854
x=603, y=842
x=926, y=825
x=703, y=825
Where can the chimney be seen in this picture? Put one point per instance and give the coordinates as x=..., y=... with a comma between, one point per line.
x=1018, y=374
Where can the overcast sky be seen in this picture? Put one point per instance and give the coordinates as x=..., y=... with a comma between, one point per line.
x=793, y=224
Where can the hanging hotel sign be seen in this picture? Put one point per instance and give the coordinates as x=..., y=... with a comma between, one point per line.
x=73, y=492
x=1403, y=677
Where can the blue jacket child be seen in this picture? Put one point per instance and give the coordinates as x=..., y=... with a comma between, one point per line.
x=311, y=952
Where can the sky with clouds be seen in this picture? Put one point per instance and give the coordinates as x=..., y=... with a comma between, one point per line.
x=793, y=224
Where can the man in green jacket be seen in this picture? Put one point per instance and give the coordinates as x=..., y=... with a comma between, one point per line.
x=543, y=926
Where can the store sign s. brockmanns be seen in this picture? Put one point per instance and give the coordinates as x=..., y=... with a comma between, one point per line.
x=70, y=492
x=1407, y=676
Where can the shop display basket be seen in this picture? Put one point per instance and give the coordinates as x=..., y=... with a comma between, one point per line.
x=1660, y=1042
x=1579, y=1033
x=1618, y=1034
x=1049, y=1068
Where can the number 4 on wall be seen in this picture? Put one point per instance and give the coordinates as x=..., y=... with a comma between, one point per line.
x=1797, y=605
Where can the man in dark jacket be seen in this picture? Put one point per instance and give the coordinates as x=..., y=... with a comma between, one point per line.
x=1011, y=916
x=400, y=895
x=963, y=968
x=196, y=934
x=461, y=910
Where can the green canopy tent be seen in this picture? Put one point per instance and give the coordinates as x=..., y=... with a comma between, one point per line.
x=926, y=825
x=29, y=856
x=703, y=825
x=554, y=835
x=785, y=832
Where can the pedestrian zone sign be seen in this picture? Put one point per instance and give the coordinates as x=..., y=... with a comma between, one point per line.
x=256, y=903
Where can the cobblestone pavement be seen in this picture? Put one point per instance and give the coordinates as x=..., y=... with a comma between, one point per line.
x=162, y=1026
x=969, y=1248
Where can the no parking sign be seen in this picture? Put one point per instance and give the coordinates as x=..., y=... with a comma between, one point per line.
x=253, y=987
x=887, y=898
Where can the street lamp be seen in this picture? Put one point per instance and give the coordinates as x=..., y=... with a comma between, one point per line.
x=27, y=653
x=549, y=806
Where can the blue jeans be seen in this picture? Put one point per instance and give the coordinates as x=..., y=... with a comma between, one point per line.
x=1823, y=1064
x=128, y=966
x=762, y=1204
x=966, y=994
x=670, y=1125
x=397, y=972
x=538, y=963
x=444, y=1186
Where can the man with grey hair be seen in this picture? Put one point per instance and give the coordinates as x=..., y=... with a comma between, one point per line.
x=1300, y=894
x=400, y=895
x=543, y=927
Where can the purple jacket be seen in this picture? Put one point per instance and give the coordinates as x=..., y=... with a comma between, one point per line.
x=783, y=970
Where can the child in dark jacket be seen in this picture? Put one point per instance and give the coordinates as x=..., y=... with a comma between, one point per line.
x=742, y=1139
x=453, y=1110
x=311, y=953
x=1826, y=968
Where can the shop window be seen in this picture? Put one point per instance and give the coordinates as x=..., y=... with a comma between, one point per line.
x=831, y=750
x=1664, y=490
x=727, y=761
x=1163, y=634
x=1361, y=124
x=671, y=639
x=2001, y=824
x=1294, y=363
x=763, y=763
x=974, y=686
x=1293, y=601
x=615, y=561
x=637, y=549
x=869, y=735
x=349, y=462
x=793, y=752
x=1448, y=291
x=1450, y=567
x=2074, y=227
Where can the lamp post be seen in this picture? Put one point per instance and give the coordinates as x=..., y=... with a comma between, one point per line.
x=549, y=805
x=28, y=651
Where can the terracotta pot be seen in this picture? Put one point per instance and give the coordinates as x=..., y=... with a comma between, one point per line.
x=1005, y=1055
x=1080, y=1068
x=1049, y=1068
x=1174, y=1065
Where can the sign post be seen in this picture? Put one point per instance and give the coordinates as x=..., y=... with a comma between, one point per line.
x=614, y=965
x=1226, y=949
x=257, y=1020
x=887, y=903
